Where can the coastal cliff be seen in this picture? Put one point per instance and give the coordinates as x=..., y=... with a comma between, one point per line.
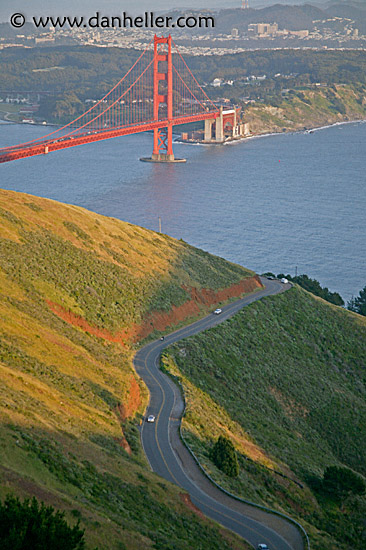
x=307, y=108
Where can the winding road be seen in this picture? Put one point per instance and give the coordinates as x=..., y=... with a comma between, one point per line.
x=169, y=457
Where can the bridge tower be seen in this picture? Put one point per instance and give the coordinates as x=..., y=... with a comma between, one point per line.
x=163, y=95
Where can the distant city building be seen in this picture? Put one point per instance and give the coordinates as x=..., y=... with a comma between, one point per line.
x=44, y=39
x=271, y=30
x=235, y=33
x=263, y=29
x=244, y=4
x=299, y=34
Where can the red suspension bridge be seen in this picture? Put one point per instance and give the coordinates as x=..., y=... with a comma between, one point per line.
x=158, y=91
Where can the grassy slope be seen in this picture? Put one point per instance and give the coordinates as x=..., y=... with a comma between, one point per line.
x=285, y=379
x=111, y=273
x=312, y=108
x=67, y=396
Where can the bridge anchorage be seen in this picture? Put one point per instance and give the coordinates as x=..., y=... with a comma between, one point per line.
x=157, y=92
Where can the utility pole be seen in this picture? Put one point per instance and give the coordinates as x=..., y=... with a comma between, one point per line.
x=159, y=224
x=296, y=271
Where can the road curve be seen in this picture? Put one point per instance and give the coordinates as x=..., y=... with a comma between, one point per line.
x=169, y=458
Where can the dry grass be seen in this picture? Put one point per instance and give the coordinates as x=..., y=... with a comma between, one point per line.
x=70, y=401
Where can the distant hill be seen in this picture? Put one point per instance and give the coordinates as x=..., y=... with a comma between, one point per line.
x=357, y=12
x=77, y=291
x=360, y=4
x=289, y=17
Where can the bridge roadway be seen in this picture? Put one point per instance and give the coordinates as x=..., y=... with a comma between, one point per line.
x=43, y=147
x=169, y=458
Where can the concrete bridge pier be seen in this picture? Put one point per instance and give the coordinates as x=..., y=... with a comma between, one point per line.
x=219, y=128
x=220, y=138
x=208, y=129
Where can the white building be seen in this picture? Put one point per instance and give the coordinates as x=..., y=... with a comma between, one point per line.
x=217, y=82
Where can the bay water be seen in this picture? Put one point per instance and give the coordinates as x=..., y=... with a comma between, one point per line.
x=269, y=203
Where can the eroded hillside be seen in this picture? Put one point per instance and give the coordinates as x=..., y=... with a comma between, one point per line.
x=78, y=291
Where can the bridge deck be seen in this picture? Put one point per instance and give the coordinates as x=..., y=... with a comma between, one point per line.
x=63, y=142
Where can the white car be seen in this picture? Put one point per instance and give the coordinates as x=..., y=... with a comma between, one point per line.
x=262, y=546
x=284, y=280
x=218, y=311
x=151, y=418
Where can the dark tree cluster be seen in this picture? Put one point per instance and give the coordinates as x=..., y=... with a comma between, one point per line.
x=223, y=455
x=86, y=72
x=358, y=304
x=340, y=482
x=29, y=525
x=313, y=286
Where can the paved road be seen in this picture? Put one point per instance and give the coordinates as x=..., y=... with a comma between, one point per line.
x=169, y=458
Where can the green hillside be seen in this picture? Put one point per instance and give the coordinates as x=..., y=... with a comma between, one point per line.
x=78, y=291
x=307, y=107
x=285, y=381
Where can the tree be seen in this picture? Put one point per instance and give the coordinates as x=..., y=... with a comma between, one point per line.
x=269, y=274
x=30, y=525
x=340, y=482
x=223, y=454
x=358, y=304
x=312, y=285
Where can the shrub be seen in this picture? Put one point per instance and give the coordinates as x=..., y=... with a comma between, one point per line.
x=312, y=285
x=223, y=454
x=340, y=482
x=29, y=525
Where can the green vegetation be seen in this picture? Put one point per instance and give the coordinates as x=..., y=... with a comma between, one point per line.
x=10, y=112
x=296, y=67
x=285, y=381
x=25, y=525
x=120, y=508
x=306, y=88
x=112, y=279
x=313, y=286
x=86, y=70
x=358, y=304
x=223, y=454
x=290, y=112
x=341, y=482
x=76, y=292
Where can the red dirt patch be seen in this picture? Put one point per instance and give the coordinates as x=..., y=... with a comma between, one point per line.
x=133, y=401
x=186, y=499
x=80, y=322
x=128, y=410
x=200, y=299
x=124, y=444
